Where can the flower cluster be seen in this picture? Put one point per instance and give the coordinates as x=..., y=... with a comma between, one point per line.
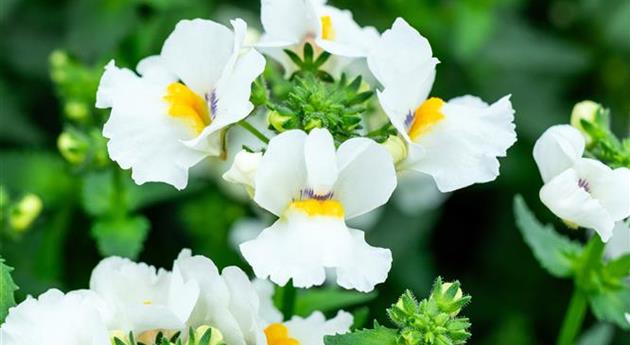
x=130, y=302
x=324, y=164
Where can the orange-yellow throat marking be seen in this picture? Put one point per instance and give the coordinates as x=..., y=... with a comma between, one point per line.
x=328, y=32
x=278, y=334
x=187, y=106
x=314, y=207
x=426, y=116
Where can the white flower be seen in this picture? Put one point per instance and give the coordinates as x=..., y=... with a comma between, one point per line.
x=456, y=142
x=580, y=190
x=417, y=193
x=307, y=331
x=56, y=319
x=628, y=317
x=142, y=298
x=290, y=23
x=174, y=114
x=313, y=188
x=243, y=169
x=227, y=301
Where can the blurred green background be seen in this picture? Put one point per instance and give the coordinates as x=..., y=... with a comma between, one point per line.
x=547, y=54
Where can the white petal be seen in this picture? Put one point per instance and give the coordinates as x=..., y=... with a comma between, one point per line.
x=213, y=305
x=244, y=304
x=350, y=39
x=627, y=317
x=282, y=172
x=463, y=147
x=268, y=311
x=138, y=293
x=154, y=68
x=55, y=319
x=610, y=187
x=245, y=229
x=313, y=329
x=142, y=135
x=367, y=177
x=557, y=150
x=619, y=243
x=321, y=161
x=110, y=83
x=243, y=169
x=563, y=196
x=402, y=62
x=197, y=51
x=288, y=20
x=285, y=251
x=365, y=267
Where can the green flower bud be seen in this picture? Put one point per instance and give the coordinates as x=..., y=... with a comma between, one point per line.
x=396, y=147
x=76, y=110
x=58, y=59
x=449, y=297
x=313, y=123
x=205, y=335
x=585, y=111
x=24, y=212
x=73, y=146
x=277, y=120
x=259, y=93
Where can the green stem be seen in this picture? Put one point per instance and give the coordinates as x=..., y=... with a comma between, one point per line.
x=288, y=300
x=258, y=134
x=573, y=318
x=579, y=302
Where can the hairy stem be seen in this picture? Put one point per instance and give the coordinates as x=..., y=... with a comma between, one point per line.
x=579, y=302
x=255, y=132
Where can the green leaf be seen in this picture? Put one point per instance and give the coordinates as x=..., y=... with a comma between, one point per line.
x=611, y=306
x=98, y=192
x=121, y=236
x=557, y=254
x=620, y=267
x=329, y=299
x=377, y=336
x=7, y=288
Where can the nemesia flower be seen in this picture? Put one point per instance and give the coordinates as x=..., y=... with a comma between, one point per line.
x=142, y=298
x=56, y=319
x=227, y=301
x=288, y=24
x=457, y=142
x=174, y=114
x=313, y=188
x=580, y=190
x=307, y=331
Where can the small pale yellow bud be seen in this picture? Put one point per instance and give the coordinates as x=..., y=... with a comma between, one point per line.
x=72, y=147
x=277, y=120
x=215, y=339
x=396, y=147
x=585, y=110
x=25, y=211
x=77, y=111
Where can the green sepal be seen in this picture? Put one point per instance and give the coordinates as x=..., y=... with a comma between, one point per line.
x=377, y=336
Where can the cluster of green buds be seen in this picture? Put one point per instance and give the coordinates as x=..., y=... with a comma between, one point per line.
x=593, y=121
x=432, y=321
x=17, y=216
x=316, y=100
x=203, y=335
x=81, y=142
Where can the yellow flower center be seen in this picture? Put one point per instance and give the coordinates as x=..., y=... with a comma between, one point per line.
x=278, y=334
x=328, y=32
x=427, y=115
x=314, y=207
x=187, y=106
